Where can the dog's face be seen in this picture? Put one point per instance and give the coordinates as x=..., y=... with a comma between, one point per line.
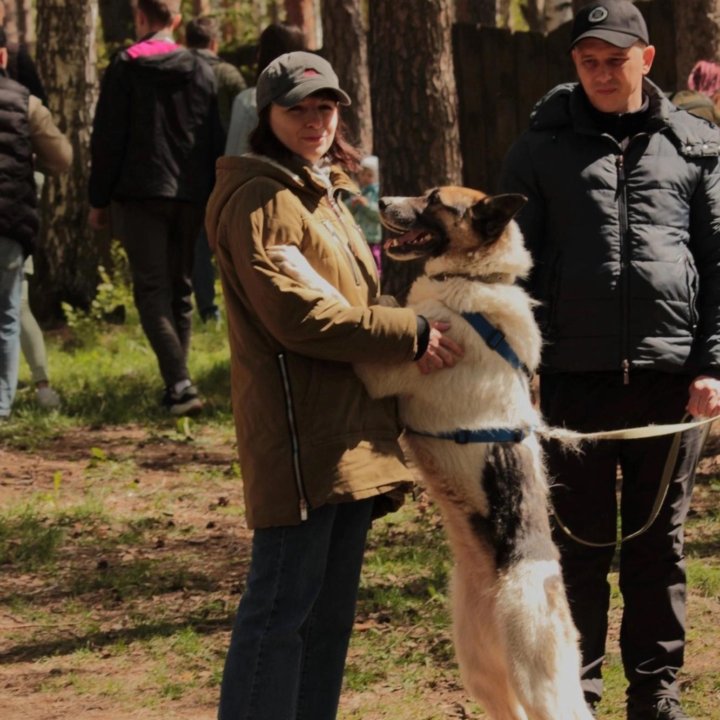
x=446, y=221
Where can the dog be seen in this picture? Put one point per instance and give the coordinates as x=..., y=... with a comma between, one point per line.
x=471, y=431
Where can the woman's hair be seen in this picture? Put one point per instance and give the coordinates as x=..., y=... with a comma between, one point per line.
x=264, y=142
x=705, y=77
x=277, y=39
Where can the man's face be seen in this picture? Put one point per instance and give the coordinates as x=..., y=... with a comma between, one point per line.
x=612, y=76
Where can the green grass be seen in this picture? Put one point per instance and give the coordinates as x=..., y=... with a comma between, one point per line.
x=27, y=541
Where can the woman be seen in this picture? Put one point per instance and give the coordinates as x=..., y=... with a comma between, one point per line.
x=319, y=457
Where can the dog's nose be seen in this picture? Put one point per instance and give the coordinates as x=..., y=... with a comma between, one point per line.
x=382, y=203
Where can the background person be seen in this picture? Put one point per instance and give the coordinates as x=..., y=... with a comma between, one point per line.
x=702, y=96
x=319, y=457
x=26, y=130
x=201, y=36
x=623, y=221
x=275, y=40
x=155, y=138
x=364, y=206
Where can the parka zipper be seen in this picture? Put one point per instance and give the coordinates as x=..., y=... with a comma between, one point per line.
x=346, y=247
x=624, y=265
x=293, y=436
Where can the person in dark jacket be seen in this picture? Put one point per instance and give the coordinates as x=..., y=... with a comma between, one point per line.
x=156, y=136
x=201, y=36
x=28, y=138
x=623, y=221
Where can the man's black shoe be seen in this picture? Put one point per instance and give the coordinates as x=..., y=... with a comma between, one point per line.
x=665, y=708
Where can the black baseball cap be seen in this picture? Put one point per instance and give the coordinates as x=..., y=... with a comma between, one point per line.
x=290, y=78
x=617, y=22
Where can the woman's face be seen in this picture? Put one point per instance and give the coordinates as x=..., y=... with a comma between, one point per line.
x=308, y=128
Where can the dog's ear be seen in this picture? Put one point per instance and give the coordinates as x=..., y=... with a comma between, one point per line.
x=491, y=214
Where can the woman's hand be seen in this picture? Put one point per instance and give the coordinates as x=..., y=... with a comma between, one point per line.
x=441, y=352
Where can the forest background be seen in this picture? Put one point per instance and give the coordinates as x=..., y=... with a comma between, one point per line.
x=122, y=547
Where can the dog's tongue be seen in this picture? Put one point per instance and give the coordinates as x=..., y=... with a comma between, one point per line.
x=402, y=239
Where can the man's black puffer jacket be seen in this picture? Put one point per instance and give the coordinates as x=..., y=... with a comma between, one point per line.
x=626, y=243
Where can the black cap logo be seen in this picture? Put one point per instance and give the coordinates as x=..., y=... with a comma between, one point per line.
x=598, y=15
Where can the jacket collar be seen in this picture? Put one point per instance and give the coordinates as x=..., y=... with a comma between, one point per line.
x=302, y=174
x=566, y=106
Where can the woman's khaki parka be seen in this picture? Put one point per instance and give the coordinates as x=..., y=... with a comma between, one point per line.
x=307, y=431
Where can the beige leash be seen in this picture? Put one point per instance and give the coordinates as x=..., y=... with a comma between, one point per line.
x=676, y=429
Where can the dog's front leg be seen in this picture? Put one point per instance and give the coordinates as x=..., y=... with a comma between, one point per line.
x=384, y=380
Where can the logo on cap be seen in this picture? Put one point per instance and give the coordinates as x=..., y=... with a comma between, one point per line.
x=598, y=15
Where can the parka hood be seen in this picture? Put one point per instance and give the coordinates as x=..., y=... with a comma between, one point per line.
x=233, y=172
x=566, y=106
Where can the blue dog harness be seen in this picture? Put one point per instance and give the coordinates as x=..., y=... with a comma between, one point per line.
x=496, y=341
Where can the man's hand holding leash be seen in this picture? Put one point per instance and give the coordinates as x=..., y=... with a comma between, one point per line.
x=704, y=397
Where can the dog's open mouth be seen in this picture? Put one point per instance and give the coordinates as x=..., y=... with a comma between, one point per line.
x=412, y=244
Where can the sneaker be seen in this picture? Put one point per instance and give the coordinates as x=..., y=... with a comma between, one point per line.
x=592, y=707
x=211, y=316
x=666, y=708
x=187, y=402
x=47, y=398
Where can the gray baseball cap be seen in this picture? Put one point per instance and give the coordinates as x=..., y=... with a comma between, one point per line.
x=617, y=22
x=290, y=78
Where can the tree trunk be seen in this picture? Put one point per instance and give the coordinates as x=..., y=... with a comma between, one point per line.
x=414, y=105
x=69, y=252
x=25, y=24
x=697, y=32
x=201, y=7
x=546, y=15
x=10, y=23
x=481, y=12
x=345, y=47
x=302, y=13
x=117, y=21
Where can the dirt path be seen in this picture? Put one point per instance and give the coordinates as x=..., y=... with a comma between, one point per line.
x=128, y=616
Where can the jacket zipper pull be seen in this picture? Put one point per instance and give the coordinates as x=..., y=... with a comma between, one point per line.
x=626, y=372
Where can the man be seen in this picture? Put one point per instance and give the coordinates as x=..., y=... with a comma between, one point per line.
x=201, y=36
x=26, y=129
x=623, y=220
x=155, y=139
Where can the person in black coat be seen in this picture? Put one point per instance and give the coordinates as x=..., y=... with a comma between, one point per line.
x=623, y=221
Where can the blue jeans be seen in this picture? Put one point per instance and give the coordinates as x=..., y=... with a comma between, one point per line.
x=203, y=278
x=289, y=642
x=11, y=277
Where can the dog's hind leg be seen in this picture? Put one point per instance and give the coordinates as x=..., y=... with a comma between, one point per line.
x=542, y=641
x=479, y=642
x=480, y=650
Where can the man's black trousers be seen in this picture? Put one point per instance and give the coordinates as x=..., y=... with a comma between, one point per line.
x=583, y=491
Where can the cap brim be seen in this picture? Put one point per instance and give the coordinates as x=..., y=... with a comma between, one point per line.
x=299, y=93
x=614, y=37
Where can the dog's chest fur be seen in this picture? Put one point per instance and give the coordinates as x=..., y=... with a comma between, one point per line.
x=499, y=487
